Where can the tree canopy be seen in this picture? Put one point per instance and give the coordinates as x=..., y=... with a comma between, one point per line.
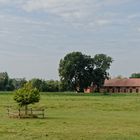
x=135, y=75
x=4, y=80
x=11, y=84
x=26, y=95
x=72, y=70
x=78, y=71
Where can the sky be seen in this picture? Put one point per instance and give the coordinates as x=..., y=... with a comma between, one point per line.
x=36, y=34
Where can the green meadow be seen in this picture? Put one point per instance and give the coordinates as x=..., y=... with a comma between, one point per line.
x=75, y=117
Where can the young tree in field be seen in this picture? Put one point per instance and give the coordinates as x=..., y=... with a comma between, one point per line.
x=26, y=95
x=78, y=71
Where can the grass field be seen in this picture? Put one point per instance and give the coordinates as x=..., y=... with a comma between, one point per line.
x=75, y=117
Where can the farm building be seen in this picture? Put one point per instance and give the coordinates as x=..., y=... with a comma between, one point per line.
x=118, y=86
x=90, y=89
x=122, y=85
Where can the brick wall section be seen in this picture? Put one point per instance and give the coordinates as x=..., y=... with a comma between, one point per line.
x=131, y=85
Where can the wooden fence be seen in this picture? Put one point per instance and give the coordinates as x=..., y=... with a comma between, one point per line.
x=20, y=113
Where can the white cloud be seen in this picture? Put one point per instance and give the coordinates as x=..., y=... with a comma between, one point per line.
x=115, y=2
x=4, y=1
x=64, y=8
x=68, y=5
x=8, y=2
x=133, y=16
x=77, y=12
x=138, y=29
x=102, y=22
x=33, y=5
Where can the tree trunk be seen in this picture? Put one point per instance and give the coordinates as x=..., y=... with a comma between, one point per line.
x=98, y=89
x=26, y=110
x=79, y=90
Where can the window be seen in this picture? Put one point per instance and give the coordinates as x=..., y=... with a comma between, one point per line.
x=119, y=90
x=131, y=90
x=108, y=90
x=125, y=90
x=113, y=90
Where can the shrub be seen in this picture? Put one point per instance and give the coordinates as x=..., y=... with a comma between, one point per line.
x=26, y=95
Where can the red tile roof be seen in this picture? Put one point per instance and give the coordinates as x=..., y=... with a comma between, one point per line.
x=132, y=82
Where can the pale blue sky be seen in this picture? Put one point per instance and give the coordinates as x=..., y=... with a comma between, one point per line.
x=36, y=34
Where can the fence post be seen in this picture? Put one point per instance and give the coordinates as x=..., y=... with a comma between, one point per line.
x=43, y=112
x=31, y=112
x=8, y=109
x=19, y=112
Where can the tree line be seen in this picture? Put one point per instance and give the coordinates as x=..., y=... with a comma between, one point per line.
x=11, y=84
x=135, y=75
x=77, y=71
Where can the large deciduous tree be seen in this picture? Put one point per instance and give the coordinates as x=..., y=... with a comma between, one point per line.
x=77, y=71
x=72, y=70
x=102, y=64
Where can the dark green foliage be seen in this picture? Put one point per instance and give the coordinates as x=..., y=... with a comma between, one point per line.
x=46, y=86
x=98, y=78
x=4, y=78
x=102, y=63
x=135, y=75
x=52, y=86
x=18, y=82
x=39, y=84
x=64, y=87
x=7, y=84
x=10, y=86
x=73, y=72
x=78, y=71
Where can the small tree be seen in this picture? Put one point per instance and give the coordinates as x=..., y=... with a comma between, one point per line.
x=26, y=95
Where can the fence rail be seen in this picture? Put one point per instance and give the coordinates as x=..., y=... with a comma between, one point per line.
x=31, y=113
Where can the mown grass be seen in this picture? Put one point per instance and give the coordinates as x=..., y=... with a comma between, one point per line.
x=75, y=117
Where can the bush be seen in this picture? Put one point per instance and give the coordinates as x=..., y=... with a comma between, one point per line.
x=27, y=95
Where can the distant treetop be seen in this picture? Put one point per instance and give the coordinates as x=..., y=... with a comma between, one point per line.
x=135, y=75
